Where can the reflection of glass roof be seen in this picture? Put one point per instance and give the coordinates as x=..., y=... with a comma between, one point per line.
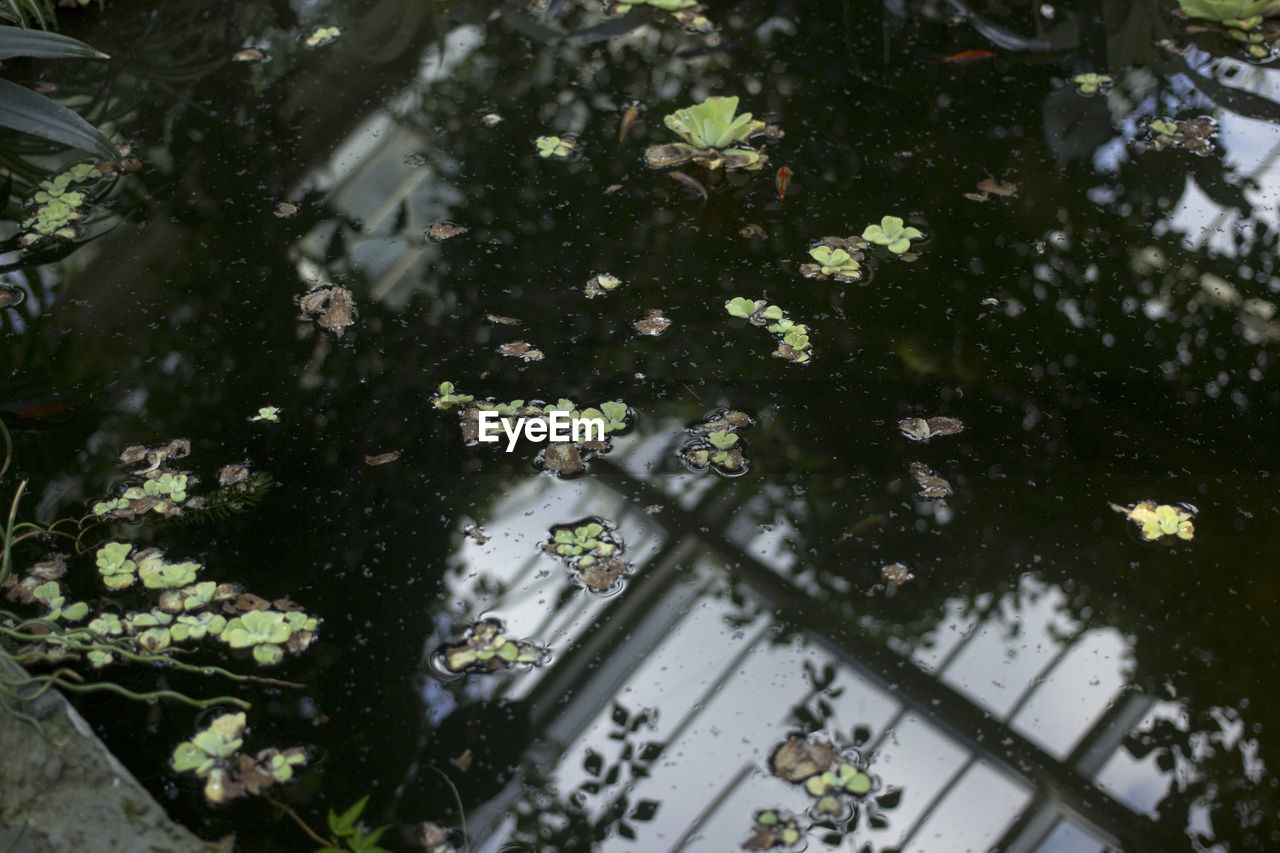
x=986, y=731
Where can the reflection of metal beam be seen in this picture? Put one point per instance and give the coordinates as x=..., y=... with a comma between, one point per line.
x=944, y=707
x=586, y=678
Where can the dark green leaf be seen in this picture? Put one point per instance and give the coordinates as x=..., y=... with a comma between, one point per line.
x=889, y=799
x=25, y=111
x=15, y=41
x=593, y=763
x=645, y=810
x=620, y=714
x=625, y=830
x=611, y=778
x=346, y=824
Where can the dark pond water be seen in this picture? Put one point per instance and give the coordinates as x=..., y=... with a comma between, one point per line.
x=1046, y=680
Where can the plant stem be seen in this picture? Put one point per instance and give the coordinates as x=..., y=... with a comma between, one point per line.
x=302, y=824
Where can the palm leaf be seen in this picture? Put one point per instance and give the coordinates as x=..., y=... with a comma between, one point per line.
x=41, y=45
x=26, y=112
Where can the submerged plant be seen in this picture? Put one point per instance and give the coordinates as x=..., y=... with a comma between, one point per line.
x=714, y=135
x=891, y=234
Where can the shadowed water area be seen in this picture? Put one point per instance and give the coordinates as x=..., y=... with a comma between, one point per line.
x=1035, y=674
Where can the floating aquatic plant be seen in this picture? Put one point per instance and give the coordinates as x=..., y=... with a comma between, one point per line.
x=267, y=413
x=592, y=549
x=117, y=570
x=715, y=443
x=1160, y=520
x=1241, y=14
x=713, y=134
x=837, y=258
x=1194, y=134
x=269, y=633
x=891, y=234
x=558, y=457
x=213, y=755
x=556, y=147
x=486, y=648
x=61, y=201
x=321, y=36
x=155, y=573
x=773, y=829
x=1091, y=84
x=445, y=398
x=839, y=780
x=794, y=342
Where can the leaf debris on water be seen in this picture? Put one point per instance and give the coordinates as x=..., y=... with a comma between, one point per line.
x=284, y=209
x=522, y=350
x=250, y=54
x=334, y=305
x=931, y=485
x=895, y=574
x=920, y=429
x=382, y=458
x=505, y=321
x=599, y=285
x=441, y=230
x=652, y=323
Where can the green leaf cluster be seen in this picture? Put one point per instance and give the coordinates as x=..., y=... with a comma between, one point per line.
x=155, y=573
x=219, y=741
x=845, y=778
x=445, y=397
x=1090, y=83
x=351, y=830
x=50, y=595
x=794, y=337
x=582, y=544
x=266, y=632
x=1243, y=14
x=891, y=234
x=835, y=262
x=114, y=565
x=710, y=131
x=555, y=147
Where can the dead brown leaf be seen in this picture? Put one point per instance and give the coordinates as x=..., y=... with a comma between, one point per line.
x=652, y=323
x=441, y=230
x=382, y=458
